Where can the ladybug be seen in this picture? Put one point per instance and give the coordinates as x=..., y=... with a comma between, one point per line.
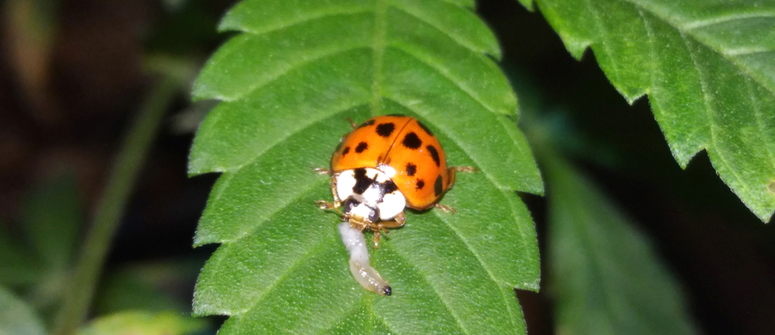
x=384, y=165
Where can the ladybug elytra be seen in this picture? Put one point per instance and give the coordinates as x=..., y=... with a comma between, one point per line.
x=384, y=165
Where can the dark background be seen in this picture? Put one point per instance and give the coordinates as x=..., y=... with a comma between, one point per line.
x=93, y=80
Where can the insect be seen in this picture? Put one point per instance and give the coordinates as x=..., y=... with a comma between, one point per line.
x=384, y=165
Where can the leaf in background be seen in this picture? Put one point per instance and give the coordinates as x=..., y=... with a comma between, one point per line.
x=708, y=67
x=144, y=323
x=606, y=276
x=16, y=317
x=148, y=286
x=52, y=217
x=287, y=83
x=17, y=266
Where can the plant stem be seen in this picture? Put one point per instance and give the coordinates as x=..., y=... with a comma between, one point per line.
x=111, y=207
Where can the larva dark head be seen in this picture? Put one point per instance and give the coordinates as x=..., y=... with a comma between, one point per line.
x=387, y=291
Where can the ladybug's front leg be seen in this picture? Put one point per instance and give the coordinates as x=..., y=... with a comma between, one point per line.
x=445, y=208
x=322, y=204
x=321, y=171
x=397, y=222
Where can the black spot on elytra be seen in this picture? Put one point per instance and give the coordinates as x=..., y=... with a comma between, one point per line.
x=410, y=169
x=425, y=128
x=434, y=154
x=411, y=141
x=420, y=184
x=385, y=129
x=345, y=151
x=438, y=188
x=389, y=187
x=366, y=124
x=361, y=147
x=362, y=182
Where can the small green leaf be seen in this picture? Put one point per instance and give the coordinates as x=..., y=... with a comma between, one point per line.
x=708, y=68
x=16, y=317
x=144, y=323
x=606, y=276
x=287, y=84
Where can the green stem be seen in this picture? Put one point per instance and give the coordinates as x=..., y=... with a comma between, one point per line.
x=111, y=207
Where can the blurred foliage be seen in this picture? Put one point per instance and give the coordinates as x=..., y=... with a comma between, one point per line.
x=619, y=285
x=17, y=317
x=144, y=323
x=38, y=261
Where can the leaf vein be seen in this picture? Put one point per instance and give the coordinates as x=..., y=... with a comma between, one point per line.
x=435, y=291
x=759, y=121
x=309, y=58
x=277, y=209
x=706, y=95
x=379, y=51
x=721, y=51
x=317, y=249
x=707, y=22
x=476, y=255
x=427, y=21
x=301, y=20
x=445, y=74
x=301, y=126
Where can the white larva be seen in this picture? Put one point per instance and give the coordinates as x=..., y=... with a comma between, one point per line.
x=364, y=274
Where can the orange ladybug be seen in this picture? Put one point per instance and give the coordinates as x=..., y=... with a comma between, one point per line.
x=384, y=165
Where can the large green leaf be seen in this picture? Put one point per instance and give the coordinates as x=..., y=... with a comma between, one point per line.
x=708, y=67
x=606, y=277
x=287, y=82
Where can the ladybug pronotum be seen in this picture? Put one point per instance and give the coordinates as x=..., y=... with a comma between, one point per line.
x=384, y=165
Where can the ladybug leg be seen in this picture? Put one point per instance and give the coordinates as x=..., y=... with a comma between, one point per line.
x=376, y=236
x=321, y=171
x=322, y=204
x=383, y=226
x=445, y=208
x=352, y=123
x=452, y=170
x=464, y=168
x=397, y=222
x=334, y=206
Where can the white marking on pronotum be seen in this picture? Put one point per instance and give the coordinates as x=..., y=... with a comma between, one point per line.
x=364, y=274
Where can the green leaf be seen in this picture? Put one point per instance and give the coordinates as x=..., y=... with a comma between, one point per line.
x=287, y=84
x=143, y=323
x=708, y=67
x=16, y=317
x=606, y=277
